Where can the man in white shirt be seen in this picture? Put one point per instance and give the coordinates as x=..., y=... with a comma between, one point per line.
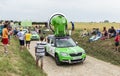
x=21, y=36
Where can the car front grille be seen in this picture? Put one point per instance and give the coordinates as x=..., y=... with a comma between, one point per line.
x=75, y=54
x=78, y=60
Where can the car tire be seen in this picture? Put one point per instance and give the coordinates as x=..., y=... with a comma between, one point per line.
x=46, y=53
x=57, y=60
x=83, y=61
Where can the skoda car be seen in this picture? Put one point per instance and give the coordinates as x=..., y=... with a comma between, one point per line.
x=35, y=35
x=64, y=49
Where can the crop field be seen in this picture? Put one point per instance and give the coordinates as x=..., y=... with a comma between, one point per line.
x=89, y=26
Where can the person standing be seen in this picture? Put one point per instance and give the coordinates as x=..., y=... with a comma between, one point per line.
x=28, y=39
x=21, y=36
x=40, y=51
x=36, y=29
x=72, y=26
x=1, y=28
x=9, y=32
x=117, y=39
x=5, y=36
x=15, y=32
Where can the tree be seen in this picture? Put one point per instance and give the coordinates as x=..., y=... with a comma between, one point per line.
x=106, y=21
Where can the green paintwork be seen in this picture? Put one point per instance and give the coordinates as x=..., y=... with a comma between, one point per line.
x=69, y=50
x=35, y=37
x=59, y=22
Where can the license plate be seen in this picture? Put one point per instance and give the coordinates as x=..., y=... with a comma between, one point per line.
x=74, y=58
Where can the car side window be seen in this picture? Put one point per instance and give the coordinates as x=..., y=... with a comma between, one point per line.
x=48, y=40
x=52, y=41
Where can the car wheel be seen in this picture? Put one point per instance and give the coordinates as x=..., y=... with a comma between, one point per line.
x=83, y=61
x=46, y=53
x=57, y=60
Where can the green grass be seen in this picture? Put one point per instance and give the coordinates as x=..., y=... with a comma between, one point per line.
x=18, y=63
x=101, y=49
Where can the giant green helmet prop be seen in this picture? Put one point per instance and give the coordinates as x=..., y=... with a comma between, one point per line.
x=59, y=22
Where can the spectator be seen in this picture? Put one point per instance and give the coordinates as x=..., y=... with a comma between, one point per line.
x=21, y=39
x=93, y=31
x=117, y=39
x=104, y=33
x=9, y=32
x=111, y=32
x=29, y=28
x=85, y=32
x=92, y=38
x=40, y=51
x=72, y=26
x=28, y=39
x=97, y=35
x=15, y=31
x=1, y=28
x=37, y=29
x=5, y=36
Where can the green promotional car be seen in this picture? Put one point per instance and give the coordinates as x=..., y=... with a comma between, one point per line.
x=35, y=35
x=64, y=49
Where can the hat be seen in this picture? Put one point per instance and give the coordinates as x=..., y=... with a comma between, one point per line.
x=20, y=29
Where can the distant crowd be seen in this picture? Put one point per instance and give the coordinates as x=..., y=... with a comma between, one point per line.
x=7, y=30
x=96, y=34
x=24, y=36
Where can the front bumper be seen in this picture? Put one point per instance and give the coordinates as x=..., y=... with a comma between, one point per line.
x=76, y=59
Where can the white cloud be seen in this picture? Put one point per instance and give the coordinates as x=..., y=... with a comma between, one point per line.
x=76, y=10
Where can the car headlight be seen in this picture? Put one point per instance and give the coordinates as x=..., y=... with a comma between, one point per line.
x=64, y=54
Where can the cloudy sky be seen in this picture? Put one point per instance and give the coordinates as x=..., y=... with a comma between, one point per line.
x=74, y=10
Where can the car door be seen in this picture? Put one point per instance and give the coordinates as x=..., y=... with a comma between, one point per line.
x=48, y=45
x=52, y=47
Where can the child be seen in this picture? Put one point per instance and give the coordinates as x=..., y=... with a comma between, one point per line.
x=117, y=39
x=40, y=51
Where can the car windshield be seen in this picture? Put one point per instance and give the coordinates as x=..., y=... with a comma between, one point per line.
x=65, y=42
x=33, y=32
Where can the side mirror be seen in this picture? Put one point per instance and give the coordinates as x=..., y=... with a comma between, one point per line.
x=76, y=43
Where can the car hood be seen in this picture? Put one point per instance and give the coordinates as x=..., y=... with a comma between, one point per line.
x=75, y=49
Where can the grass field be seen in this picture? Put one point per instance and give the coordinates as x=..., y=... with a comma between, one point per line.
x=18, y=63
x=101, y=49
x=89, y=26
